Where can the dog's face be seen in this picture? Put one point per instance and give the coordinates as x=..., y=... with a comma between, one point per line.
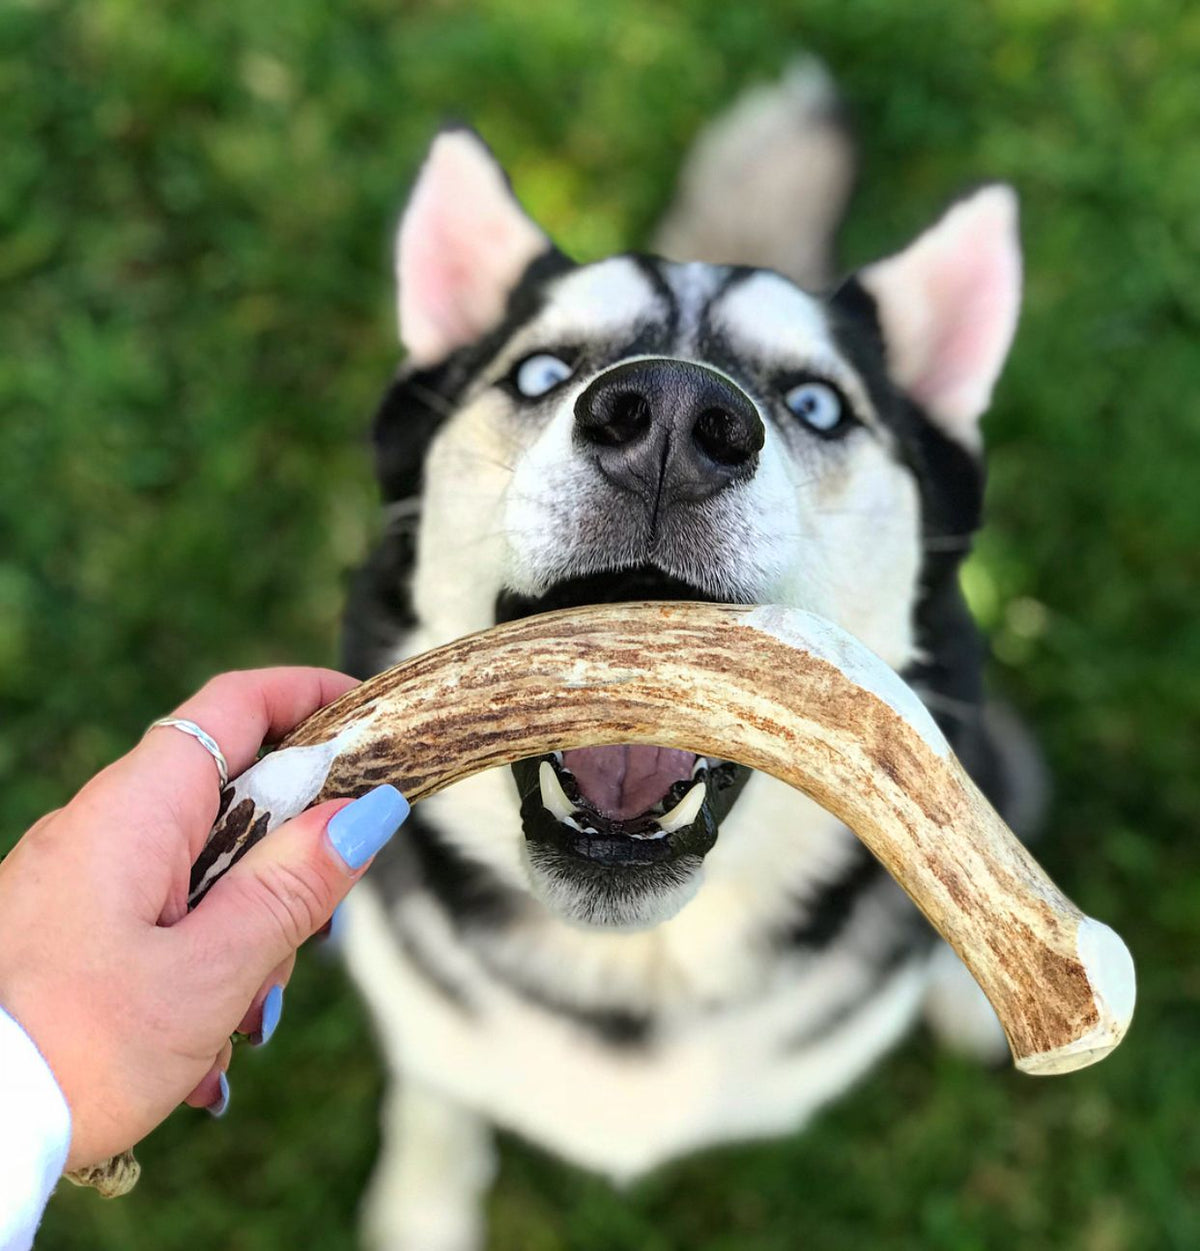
x=640, y=429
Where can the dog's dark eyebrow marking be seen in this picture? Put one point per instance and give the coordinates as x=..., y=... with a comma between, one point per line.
x=734, y=278
x=650, y=267
x=709, y=339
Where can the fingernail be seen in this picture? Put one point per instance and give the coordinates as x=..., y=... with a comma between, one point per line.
x=218, y=1107
x=363, y=827
x=272, y=1010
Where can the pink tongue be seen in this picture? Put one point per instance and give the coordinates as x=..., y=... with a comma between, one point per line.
x=622, y=782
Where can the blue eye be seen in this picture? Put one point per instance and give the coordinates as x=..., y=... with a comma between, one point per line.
x=818, y=405
x=540, y=373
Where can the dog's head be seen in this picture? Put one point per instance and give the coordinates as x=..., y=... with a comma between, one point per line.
x=639, y=429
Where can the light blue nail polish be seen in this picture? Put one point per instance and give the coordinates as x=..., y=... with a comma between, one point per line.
x=363, y=827
x=222, y=1103
x=272, y=1010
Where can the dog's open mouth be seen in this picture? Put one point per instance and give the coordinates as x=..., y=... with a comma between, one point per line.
x=596, y=802
x=624, y=805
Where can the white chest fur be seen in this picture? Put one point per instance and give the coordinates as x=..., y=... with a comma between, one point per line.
x=746, y=1044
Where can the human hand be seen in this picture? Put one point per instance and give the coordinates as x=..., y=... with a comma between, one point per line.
x=130, y=998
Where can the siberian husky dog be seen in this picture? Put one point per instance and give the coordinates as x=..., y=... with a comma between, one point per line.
x=625, y=953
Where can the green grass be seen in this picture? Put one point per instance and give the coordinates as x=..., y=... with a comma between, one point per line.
x=195, y=203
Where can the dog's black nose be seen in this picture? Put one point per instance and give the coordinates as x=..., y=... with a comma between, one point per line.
x=669, y=430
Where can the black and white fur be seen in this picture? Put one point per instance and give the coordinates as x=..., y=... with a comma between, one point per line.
x=767, y=975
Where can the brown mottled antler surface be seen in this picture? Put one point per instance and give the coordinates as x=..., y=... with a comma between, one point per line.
x=779, y=690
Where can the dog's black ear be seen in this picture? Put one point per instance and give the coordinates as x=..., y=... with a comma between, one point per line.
x=947, y=309
x=463, y=243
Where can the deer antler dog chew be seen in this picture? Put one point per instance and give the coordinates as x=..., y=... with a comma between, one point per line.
x=782, y=691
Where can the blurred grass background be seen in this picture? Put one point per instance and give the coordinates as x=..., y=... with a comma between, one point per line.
x=195, y=210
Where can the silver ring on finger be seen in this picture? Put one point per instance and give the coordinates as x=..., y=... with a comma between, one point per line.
x=202, y=737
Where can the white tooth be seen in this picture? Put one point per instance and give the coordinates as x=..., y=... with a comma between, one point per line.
x=557, y=756
x=700, y=765
x=553, y=796
x=685, y=811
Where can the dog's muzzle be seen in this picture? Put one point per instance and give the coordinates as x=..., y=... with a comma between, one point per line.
x=630, y=806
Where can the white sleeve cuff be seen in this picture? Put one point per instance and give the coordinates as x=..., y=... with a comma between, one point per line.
x=35, y=1132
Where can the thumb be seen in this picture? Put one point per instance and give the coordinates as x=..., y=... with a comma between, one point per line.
x=286, y=887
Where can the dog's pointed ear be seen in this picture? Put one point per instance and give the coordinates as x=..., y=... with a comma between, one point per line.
x=463, y=243
x=947, y=309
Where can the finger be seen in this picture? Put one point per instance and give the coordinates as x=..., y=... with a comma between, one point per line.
x=245, y=709
x=330, y=933
x=286, y=887
x=41, y=823
x=262, y=1017
x=177, y=779
x=212, y=1091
